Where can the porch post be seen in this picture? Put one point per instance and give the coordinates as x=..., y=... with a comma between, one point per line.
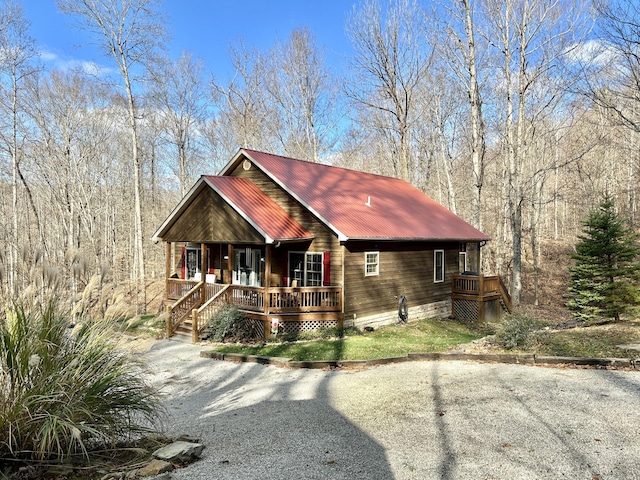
x=267, y=277
x=203, y=271
x=230, y=264
x=168, y=262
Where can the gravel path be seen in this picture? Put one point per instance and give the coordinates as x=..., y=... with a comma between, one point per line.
x=413, y=420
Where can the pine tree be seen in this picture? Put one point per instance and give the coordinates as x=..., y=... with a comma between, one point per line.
x=606, y=274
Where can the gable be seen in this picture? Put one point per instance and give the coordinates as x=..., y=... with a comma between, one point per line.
x=208, y=218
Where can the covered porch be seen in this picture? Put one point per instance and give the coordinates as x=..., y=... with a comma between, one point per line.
x=288, y=287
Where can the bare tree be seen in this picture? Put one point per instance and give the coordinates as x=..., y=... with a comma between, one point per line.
x=614, y=60
x=245, y=110
x=461, y=52
x=531, y=37
x=301, y=88
x=391, y=54
x=17, y=52
x=130, y=32
x=179, y=93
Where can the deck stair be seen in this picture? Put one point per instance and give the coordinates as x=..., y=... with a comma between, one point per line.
x=188, y=316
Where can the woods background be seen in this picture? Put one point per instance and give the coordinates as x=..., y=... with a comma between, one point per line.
x=518, y=115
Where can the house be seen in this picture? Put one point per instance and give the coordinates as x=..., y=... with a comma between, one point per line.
x=301, y=245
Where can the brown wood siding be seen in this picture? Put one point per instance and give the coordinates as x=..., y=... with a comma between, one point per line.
x=324, y=239
x=404, y=269
x=210, y=219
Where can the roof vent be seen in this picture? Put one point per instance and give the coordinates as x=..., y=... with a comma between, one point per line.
x=368, y=204
x=246, y=164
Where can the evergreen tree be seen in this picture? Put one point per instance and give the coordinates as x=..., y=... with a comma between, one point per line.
x=604, y=279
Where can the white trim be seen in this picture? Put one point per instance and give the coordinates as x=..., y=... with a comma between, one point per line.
x=435, y=266
x=231, y=163
x=377, y=264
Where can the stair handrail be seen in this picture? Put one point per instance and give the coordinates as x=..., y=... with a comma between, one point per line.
x=506, y=297
x=196, y=328
x=174, y=309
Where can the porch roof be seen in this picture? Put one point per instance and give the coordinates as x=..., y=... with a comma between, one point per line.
x=361, y=206
x=251, y=203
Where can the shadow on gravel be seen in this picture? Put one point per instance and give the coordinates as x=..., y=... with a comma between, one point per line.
x=263, y=422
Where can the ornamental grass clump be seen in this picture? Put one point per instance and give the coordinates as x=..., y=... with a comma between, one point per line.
x=63, y=392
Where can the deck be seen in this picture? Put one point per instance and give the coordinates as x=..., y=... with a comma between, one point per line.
x=479, y=297
x=297, y=308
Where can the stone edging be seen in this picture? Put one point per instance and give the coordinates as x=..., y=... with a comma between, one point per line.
x=524, y=359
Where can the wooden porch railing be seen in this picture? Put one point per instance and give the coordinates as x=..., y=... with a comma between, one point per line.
x=214, y=289
x=283, y=300
x=247, y=298
x=506, y=297
x=177, y=288
x=305, y=299
x=179, y=311
x=200, y=316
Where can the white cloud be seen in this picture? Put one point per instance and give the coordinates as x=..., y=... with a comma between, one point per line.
x=595, y=52
x=54, y=61
x=47, y=56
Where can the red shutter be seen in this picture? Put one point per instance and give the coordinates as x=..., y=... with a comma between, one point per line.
x=183, y=269
x=326, y=263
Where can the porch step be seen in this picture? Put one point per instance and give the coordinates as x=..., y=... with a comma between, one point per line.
x=182, y=335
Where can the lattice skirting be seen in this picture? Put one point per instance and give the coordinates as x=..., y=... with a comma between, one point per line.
x=470, y=310
x=466, y=309
x=254, y=327
x=293, y=327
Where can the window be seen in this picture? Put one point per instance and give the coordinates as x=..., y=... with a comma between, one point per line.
x=462, y=261
x=305, y=268
x=193, y=263
x=371, y=264
x=438, y=266
x=313, y=271
x=462, y=258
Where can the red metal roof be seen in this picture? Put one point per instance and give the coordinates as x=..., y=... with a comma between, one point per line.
x=358, y=205
x=257, y=208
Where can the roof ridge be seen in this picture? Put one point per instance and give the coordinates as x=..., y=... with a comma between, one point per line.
x=351, y=170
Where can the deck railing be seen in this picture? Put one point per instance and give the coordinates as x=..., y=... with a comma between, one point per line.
x=200, y=316
x=481, y=286
x=247, y=298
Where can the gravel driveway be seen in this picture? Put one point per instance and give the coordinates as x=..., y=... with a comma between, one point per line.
x=413, y=420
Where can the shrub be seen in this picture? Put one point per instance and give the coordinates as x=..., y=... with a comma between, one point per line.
x=225, y=322
x=517, y=331
x=64, y=392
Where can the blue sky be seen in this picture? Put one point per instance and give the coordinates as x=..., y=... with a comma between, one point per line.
x=206, y=28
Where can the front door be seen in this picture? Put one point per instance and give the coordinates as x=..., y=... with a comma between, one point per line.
x=246, y=267
x=193, y=256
